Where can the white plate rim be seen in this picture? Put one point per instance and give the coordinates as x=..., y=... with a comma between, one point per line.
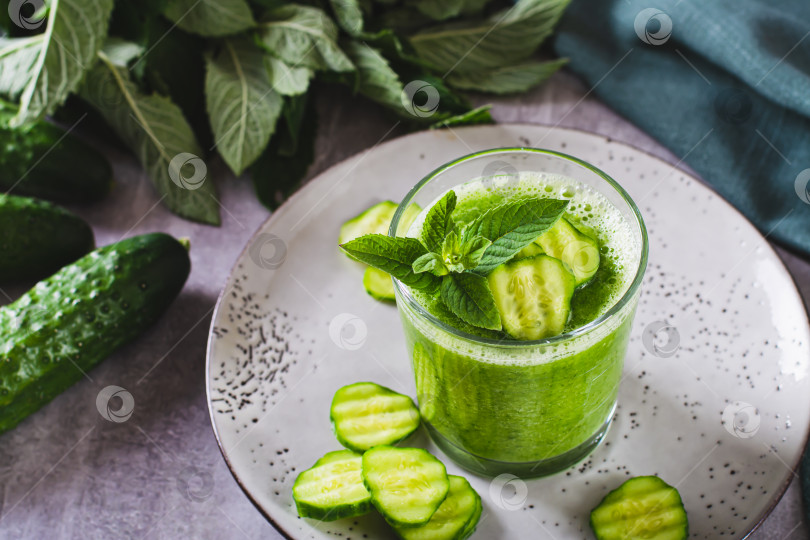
x=310, y=184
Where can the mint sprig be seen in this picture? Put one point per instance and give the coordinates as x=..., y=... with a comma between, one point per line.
x=468, y=296
x=455, y=262
x=438, y=223
x=511, y=227
x=394, y=256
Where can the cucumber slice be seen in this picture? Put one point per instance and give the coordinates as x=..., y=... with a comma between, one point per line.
x=378, y=284
x=533, y=296
x=469, y=529
x=407, y=485
x=333, y=488
x=375, y=220
x=529, y=251
x=643, y=507
x=577, y=250
x=366, y=414
x=455, y=519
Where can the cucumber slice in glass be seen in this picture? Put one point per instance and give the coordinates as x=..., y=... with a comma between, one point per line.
x=333, y=488
x=366, y=414
x=375, y=220
x=407, y=485
x=455, y=519
x=533, y=296
x=577, y=250
x=378, y=284
x=643, y=507
x=529, y=251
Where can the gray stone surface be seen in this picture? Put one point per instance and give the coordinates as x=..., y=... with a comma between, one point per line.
x=68, y=473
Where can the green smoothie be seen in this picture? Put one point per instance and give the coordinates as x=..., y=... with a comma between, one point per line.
x=496, y=404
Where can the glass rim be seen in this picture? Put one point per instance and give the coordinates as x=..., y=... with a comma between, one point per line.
x=403, y=292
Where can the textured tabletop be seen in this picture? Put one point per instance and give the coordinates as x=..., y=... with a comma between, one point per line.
x=68, y=473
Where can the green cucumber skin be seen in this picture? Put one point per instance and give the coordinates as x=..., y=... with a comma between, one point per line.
x=333, y=513
x=41, y=160
x=619, y=493
x=346, y=443
x=37, y=237
x=370, y=488
x=74, y=319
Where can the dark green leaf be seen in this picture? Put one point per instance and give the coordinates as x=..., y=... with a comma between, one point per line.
x=444, y=313
x=449, y=100
x=507, y=79
x=76, y=30
x=472, y=118
x=303, y=36
x=242, y=106
x=511, y=227
x=393, y=255
x=399, y=53
x=294, y=113
x=287, y=80
x=349, y=15
x=468, y=296
x=503, y=39
x=440, y=9
x=438, y=222
x=210, y=18
x=280, y=170
x=157, y=133
x=174, y=66
x=376, y=79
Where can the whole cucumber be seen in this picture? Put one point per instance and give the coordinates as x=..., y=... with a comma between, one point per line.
x=74, y=319
x=37, y=237
x=42, y=160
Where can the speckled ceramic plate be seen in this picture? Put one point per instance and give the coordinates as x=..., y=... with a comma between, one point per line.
x=715, y=397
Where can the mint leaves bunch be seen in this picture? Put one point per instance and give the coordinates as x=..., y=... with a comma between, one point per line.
x=454, y=260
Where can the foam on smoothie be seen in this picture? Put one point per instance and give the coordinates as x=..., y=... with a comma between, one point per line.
x=589, y=210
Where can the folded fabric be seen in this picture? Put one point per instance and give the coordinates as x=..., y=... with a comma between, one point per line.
x=723, y=84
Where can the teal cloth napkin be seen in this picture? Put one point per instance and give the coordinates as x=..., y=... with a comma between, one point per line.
x=724, y=84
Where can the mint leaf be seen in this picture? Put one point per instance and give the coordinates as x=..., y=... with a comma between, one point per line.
x=280, y=169
x=451, y=252
x=17, y=57
x=210, y=18
x=468, y=296
x=59, y=58
x=506, y=37
x=287, y=80
x=154, y=128
x=430, y=262
x=375, y=78
x=242, y=105
x=393, y=255
x=472, y=251
x=445, y=314
x=349, y=15
x=511, y=227
x=438, y=223
x=303, y=36
x=509, y=79
x=458, y=257
x=474, y=117
x=440, y=9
